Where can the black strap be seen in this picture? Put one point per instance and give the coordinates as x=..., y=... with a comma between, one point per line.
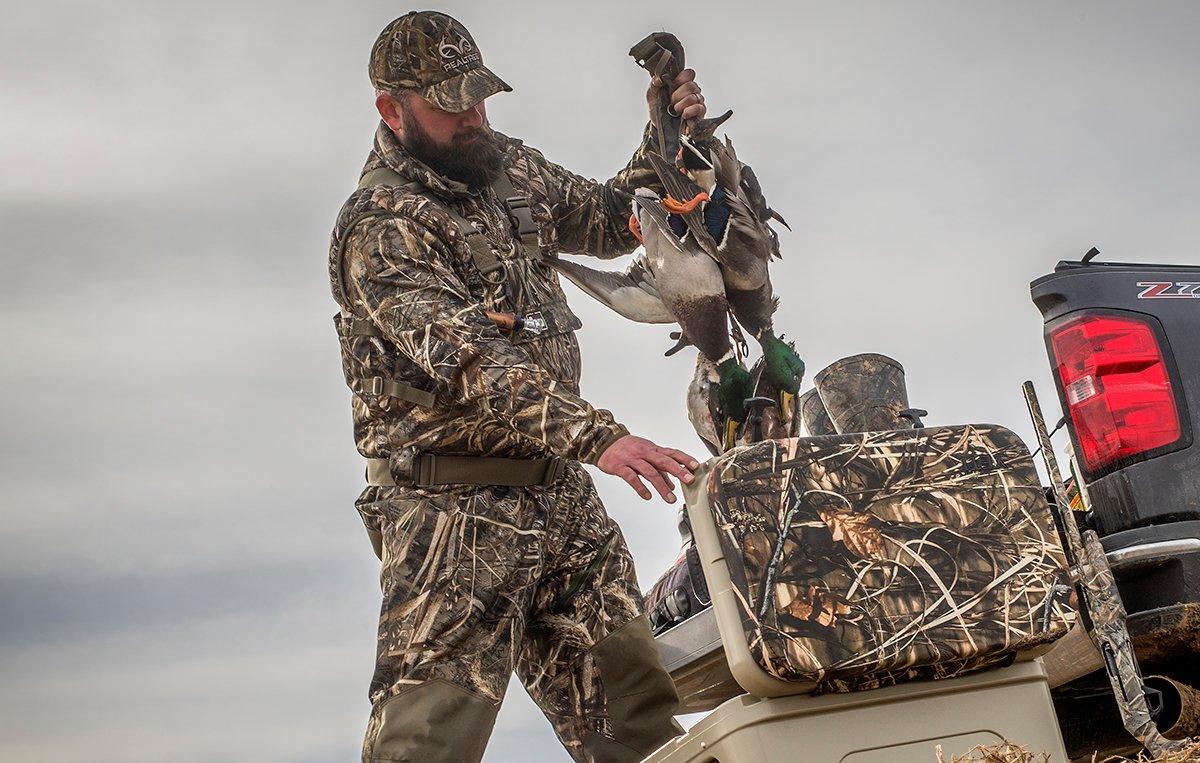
x=363, y=327
x=520, y=214
x=352, y=326
x=661, y=54
x=430, y=469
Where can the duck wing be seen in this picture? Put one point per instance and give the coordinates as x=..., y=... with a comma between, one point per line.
x=631, y=294
x=747, y=206
x=681, y=188
x=754, y=194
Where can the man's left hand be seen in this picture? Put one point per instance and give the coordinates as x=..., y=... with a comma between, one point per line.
x=686, y=99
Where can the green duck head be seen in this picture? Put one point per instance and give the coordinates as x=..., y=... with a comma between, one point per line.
x=735, y=386
x=784, y=367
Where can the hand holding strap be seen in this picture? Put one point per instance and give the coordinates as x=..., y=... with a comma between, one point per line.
x=661, y=54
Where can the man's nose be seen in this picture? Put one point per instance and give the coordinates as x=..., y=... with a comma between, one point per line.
x=473, y=117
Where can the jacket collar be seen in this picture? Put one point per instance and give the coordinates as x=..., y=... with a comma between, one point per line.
x=389, y=152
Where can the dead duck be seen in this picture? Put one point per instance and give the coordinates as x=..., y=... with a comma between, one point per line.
x=673, y=281
x=727, y=216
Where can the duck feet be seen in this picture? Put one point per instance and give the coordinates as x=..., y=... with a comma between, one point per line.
x=681, y=341
x=784, y=368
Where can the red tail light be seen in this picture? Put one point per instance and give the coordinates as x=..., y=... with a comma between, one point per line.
x=1117, y=388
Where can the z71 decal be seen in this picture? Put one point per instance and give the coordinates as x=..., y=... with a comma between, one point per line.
x=1169, y=290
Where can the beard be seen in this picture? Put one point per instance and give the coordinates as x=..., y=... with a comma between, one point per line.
x=475, y=158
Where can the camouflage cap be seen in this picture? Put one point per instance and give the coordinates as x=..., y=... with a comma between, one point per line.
x=433, y=54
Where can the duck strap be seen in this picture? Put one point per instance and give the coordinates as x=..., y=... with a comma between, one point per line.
x=661, y=54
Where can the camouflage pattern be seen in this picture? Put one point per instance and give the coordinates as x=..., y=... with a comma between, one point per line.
x=863, y=560
x=479, y=582
x=435, y=55
x=1100, y=602
x=864, y=393
x=813, y=413
x=410, y=272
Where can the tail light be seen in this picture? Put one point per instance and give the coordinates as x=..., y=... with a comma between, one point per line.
x=1117, y=388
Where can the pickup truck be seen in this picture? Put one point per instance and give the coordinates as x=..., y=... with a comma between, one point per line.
x=1123, y=340
x=1124, y=344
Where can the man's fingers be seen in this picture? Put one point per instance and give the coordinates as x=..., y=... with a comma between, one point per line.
x=682, y=458
x=690, y=90
x=687, y=75
x=665, y=463
x=657, y=479
x=689, y=102
x=629, y=475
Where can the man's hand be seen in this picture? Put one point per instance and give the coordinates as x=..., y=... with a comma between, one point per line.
x=633, y=458
x=686, y=99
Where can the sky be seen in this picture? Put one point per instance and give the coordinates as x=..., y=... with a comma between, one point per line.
x=182, y=574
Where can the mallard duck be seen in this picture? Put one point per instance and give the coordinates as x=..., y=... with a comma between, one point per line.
x=771, y=412
x=704, y=406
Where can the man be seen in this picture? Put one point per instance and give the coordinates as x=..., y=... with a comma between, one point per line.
x=497, y=554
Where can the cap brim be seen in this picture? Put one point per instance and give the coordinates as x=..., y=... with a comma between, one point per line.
x=465, y=90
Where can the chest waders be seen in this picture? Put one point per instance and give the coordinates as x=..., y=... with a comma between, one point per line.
x=441, y=469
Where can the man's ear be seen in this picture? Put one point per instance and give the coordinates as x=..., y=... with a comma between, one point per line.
x=389, y=111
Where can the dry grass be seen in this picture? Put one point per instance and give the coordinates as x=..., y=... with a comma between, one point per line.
x=1189, y=754
x=1005, y=752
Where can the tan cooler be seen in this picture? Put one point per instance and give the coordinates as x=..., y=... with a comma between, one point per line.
x=875, y=595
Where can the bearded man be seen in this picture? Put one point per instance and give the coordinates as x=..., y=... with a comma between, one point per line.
x=457, y=341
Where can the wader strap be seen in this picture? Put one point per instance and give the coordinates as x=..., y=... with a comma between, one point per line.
x=519, y=213
x=377, y=385
x=430, y=469
x=485, y=260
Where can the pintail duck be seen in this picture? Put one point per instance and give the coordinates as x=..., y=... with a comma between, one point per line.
x=673, y=281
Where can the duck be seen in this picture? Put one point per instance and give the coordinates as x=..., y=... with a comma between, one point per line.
x=771, y=412
x=704, y=408
x=672, y=281
x=732, y=226
x=632, y=294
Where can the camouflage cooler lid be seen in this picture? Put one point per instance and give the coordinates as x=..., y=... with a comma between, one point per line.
x=864, y=560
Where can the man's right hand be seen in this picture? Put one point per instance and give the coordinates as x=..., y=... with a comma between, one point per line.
x=635, y=458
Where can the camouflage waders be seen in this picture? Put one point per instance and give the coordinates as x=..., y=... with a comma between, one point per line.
x=481, y=581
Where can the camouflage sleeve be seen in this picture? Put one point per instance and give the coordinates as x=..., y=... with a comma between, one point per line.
x=402, y=276
x=593, y=218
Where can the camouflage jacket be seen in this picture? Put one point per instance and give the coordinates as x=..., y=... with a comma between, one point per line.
x=410, y=273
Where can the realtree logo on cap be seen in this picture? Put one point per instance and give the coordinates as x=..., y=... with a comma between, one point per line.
x=458, y=54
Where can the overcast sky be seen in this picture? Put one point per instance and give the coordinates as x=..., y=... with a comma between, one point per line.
x=182, y=574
